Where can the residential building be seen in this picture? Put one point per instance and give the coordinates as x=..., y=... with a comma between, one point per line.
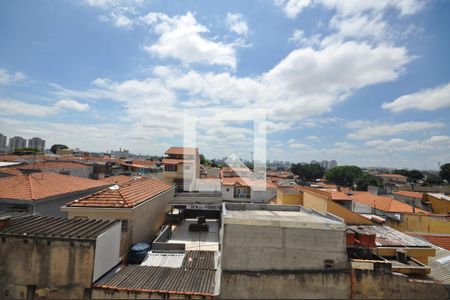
x=2, y=143
x=141, y=204
x=59, y=167
x=393, y=178
x=247, y=189
x=324, y=164
x=440, y=203
x=332, y=164
x=273, y=251
x=413, y=199
x=55, y=258
x=45, y=193
x=420, y=223
x=16, y=143
x=182, y=167
x=182, y=264
x=37, y=143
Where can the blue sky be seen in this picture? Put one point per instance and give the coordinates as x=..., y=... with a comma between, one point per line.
x=362, y=82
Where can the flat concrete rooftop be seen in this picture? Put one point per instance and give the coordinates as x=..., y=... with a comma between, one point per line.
x=279, y=215
x=197, y=240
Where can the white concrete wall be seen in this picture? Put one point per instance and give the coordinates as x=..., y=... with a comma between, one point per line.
x=107, y=251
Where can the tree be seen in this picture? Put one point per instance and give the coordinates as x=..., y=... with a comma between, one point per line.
x=203, y=160
x=308, y=172
x=363, y=182
x=445, y=172
x=344, y=175
x=24, y=151
x=433, y=179
x=415, y=176
x=55, y=148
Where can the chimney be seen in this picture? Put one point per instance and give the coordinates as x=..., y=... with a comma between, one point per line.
x=4, y=222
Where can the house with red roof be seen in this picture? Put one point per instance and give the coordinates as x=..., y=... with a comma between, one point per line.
x=44, y=193
x=181, y=167
x=141, y=204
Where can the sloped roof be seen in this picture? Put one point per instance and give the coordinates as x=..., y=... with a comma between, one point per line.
x=237, y=180
x=409, y=194
x=441, y=240
x=172, y=161
x=386, y=204
x=119, y=179
x=125, y=195
x=55, y=165
x=182, y=150
x=338, y=196
x=37, y=186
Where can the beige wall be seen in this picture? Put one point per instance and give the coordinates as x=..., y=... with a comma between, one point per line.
x=144, y=220
x=311, y=200
x=421, y=223
x=57, y=270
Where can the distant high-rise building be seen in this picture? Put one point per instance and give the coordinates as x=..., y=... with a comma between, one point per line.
x=16, y=143
x=2, y=142
x=332, y=164
x=37, y=143
x=324, y=164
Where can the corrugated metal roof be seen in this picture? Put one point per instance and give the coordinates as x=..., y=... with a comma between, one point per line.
x=297, y=216
x=440, y=265
x=51, y=227
x=161, y=280
x=166, y=259
x=199, y=260
x=388, y=237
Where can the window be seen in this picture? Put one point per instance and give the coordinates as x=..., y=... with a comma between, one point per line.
x=241, y=192
x=124, y=225
x=170, y=168
x=329, y=263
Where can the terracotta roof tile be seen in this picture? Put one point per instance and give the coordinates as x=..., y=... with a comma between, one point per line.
x=127, y=194
x=409, y=194
x=182, y=150
x=38, y=186
x=240, y=181
x=172, y=161
x=119, y=179
x=384, y=203
x=337, y=196
x=55, y=165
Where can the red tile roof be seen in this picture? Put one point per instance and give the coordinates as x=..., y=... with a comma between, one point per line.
x=128, y=194
x=119, y=179
x=55, y=165
x=338, y=196
x=386, y=204
x=440, y=240
x=391, y=175
x=10, y=171
x=38, y=186
x=172, y=161
x=240, y=181
x=409, y=194
x=182, y=150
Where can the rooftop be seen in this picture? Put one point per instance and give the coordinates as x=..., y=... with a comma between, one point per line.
x=182, y=151
x=119, y=179
x=440, y=196
x=340, y=196
x=172, y=161
x=207, y=260
x=184, y=281
x=409, y=194
x=441, y=240
x=383, y=203
x=279, y=215
x=249, y=182
x=391, y=175
x=58, y=228
x=38, y=186
x=196, y=240
x=55, y=165
x=388, y=237
x=125, y=195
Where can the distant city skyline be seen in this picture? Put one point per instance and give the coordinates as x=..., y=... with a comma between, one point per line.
x=367, y=85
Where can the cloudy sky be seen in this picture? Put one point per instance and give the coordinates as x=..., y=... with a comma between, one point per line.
x=362, y=82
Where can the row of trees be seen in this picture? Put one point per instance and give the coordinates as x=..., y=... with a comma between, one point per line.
x=353, y=176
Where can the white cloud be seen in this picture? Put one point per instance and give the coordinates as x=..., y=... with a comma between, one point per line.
x=401, y=145
x=118, y=20
x=358, y=26
x=312, y=138
x=293, y=7
x=12, y=106
x=298, y=38
x=296, y=144
x=236, y=24
x=8, y=78
x=374, y=131
x=183, y=38
x=72, y=104
x=428, y=99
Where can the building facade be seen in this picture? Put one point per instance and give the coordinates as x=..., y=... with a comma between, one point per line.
x=16, y=143
x=2, y=143
x=181, y=167
x=37, y=143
